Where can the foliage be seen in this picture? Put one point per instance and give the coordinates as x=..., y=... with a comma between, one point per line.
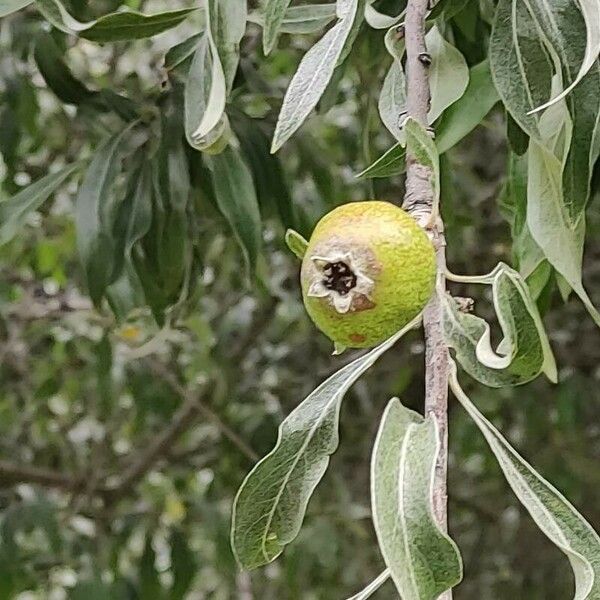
x=153, y=335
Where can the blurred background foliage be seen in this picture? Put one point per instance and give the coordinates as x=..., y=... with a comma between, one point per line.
x=126, y=427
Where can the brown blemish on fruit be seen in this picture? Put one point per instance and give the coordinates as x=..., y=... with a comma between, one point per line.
x=357, y=338
x=361, y=303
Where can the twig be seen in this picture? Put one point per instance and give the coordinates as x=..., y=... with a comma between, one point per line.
x=419, y=201
x=11, y=474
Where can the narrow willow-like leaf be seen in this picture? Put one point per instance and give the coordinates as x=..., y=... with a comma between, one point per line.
x=561, y=241
x=225, y=22
x=393, y=162
x=524, y=351
x=313, y=75
x=118, y=26
x=378, y=20
x=468, y=111
x=392, y=101
x=93, y=216
x=306, y=18
x=274, y=13
x=14, y=210
x=527, y=254
x=236, y=198
x=459, y=120
x=11, y=6
x=370, y=589
x=270, y=505
x=201, y=99
x=421, y=146
x=422, y=559
x=556, y=517
x=448, y=73
x=296, y=243
x=521, y=67
x=590, y=10
x=181, y=52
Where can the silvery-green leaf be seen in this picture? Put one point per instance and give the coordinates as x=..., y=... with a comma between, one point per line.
x=392, y=101
x=459, y=119
x=378, y=20
x=448, y=73
x=270, y=504
x=563, y=30
x=524, y=351
x=94, y=213
x=422, y=559
x=370, y=589
x=549, y=224
x=421, y=146
x=14, y=210
x=468, y=111
x=528, y=255
x=306, y=18
x=226, y=23
x=274, y=13
x=590, y=9
x=117, y=26
x=236, y=198
x=556, y=517
x=520, y=64
x=313, y=74
x=11, y=6
x=393, y=162
x=225, y=26
x=296, y=243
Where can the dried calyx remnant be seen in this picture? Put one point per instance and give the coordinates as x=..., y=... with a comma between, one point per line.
x=339, y=278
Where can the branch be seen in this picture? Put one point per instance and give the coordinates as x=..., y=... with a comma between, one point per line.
x=11, y=474
x=161, y=446
x=419, y=202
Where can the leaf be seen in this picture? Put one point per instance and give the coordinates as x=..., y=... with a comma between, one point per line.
x=528, y=255
x=15, y=210
x=469, y=110
x=561, y=241
x=215, y=64
x=270, y=504
x=204, y=97
x=236, y=199
x=129, y=25
x=274, y=13
x=590, y=10
x=56, y=73
x=307, y=18
x=392, y=101
x=180, y=53
x=183, y=565
x=521, y=67
x=11, y=6
x=119, y=26
x=94, y=216
x=421, y=147
x=267, y=172
x=296, y=243
x=553, y=513
x=458, y=120
x=448, y=73
x=313, y=75
x=389, y=164
x=422, y=559
x=378, y=20
x=226, y=24
x=524, y=351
